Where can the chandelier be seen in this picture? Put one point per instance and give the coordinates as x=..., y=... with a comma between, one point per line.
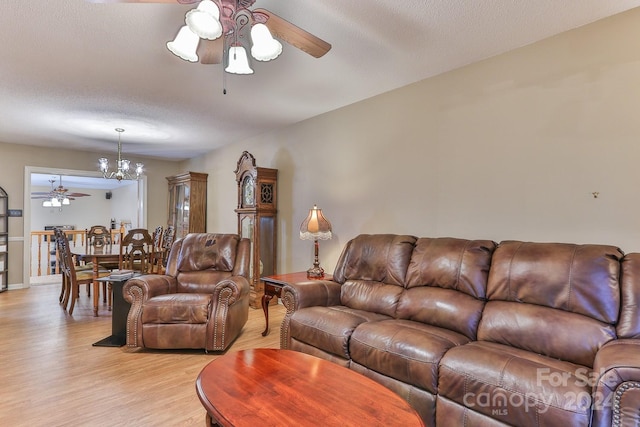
x=124, y=166
x=236, y=24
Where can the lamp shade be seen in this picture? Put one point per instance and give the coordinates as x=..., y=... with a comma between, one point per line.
x=185, y=45
x=238, y=61
x=264, y=46
x=204, y=20
x=315, y=226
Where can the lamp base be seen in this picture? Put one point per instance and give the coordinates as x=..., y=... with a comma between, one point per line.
x=315, y=272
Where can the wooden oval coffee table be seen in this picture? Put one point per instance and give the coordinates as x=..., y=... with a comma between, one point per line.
x=270, y=387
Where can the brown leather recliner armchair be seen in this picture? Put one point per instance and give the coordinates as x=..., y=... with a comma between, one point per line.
x=201, y=302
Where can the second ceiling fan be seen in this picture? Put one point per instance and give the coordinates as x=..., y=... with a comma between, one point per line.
x=58, y=195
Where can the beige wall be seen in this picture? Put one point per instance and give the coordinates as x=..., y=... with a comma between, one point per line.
x=508, y=148
x=13, y=160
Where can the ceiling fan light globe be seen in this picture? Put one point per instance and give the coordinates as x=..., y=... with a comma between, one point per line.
x=264, y=46
x=185, y=44
x=46, y=204
x=66, y=201
x=204, y=21
x=139, y=169
x=238, y=61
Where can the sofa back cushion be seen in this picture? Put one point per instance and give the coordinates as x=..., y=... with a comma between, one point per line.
x=560, y=300
x=447, y=283
x=372, y=270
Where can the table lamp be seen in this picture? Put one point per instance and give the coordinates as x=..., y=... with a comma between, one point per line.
x=315, y=227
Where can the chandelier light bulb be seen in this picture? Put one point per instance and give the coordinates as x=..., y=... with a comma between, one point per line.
x=104, y=164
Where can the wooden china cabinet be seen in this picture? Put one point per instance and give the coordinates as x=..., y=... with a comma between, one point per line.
x=257, y=215
x=188, y=203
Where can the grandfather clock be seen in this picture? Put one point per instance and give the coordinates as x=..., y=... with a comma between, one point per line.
x=257, y=213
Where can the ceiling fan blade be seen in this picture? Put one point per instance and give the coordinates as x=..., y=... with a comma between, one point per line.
x=210, y=51
x=145, y=1
x=70, y=195
x=41, y=193
x=294, y=35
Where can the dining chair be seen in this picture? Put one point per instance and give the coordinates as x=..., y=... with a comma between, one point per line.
x=155, y=261
x=59, y=234
x=72, y=278
x=135, y=250
x=99, y=237
x=168, y=237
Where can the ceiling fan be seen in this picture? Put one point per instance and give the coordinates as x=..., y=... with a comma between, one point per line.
x=58, y=193
x=234, y=16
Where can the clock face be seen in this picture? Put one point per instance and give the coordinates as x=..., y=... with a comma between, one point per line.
x=248, y=192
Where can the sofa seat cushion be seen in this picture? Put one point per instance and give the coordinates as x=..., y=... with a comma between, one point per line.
x=516, y=386
x=329, y=328
x=177, y=308
x=404, y=350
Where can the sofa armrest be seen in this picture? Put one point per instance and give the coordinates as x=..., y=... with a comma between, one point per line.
x=138, y=290
x=309, y=293
x=616, y=392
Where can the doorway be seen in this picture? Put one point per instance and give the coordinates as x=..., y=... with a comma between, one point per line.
x=99, y=207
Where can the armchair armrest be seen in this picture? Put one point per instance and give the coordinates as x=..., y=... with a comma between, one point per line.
x=306, y=294
x=138, y=290
x=230, y=290
x=616, y=393
x=229, y=311
x=144, y=287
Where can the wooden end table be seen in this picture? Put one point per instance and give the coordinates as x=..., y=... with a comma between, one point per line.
x=271, y=387
x=273, y=288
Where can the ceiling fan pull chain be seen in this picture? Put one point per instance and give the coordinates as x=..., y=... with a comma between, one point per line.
x=225, y=63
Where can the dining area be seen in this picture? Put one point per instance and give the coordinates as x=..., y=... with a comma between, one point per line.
x=103, y=257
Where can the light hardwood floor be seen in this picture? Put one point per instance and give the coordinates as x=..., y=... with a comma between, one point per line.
x=50, y=374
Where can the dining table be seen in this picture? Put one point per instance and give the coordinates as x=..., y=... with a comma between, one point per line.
x=97, y=255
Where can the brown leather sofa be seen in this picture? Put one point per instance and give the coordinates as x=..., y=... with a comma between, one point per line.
x=475, y=333
x=201, y=302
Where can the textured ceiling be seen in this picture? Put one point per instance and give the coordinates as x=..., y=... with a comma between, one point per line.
x=71, y=71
